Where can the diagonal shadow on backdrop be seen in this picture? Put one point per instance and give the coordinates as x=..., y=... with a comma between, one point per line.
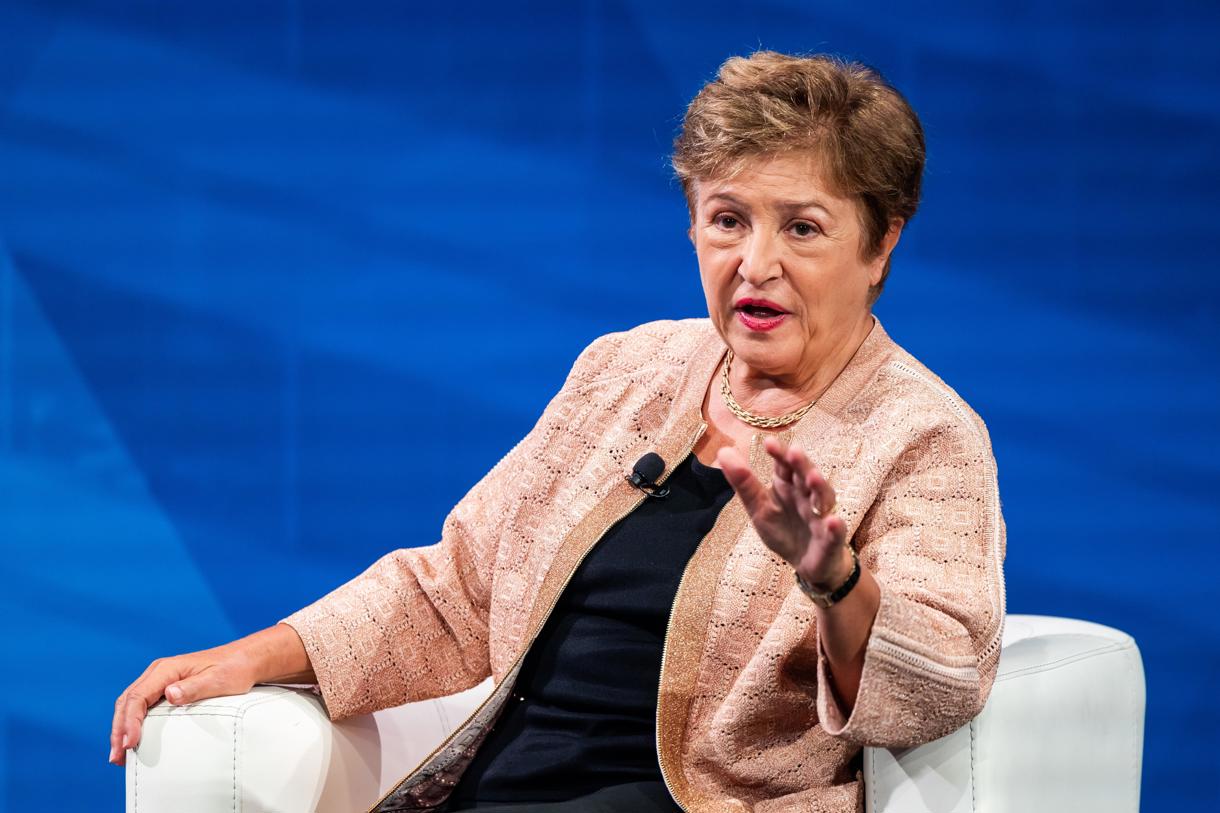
x=300, y=468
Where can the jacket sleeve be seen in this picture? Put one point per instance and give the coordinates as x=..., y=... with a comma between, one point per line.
x=934, y=540
x=414, y=625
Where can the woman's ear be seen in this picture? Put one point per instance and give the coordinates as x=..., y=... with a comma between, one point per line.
x=888, y=243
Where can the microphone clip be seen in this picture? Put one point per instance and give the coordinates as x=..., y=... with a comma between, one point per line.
x=644, y=473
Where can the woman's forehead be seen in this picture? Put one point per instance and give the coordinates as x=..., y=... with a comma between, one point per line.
x=789, y=180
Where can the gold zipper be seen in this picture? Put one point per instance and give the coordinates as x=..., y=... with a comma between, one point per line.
x=440, y=747
x=542, y=623
x=665, y=647
x=660, y=679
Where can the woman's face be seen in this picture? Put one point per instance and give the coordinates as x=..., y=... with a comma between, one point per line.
x=781, y=263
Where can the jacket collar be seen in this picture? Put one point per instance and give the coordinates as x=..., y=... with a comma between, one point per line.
x=860, y=370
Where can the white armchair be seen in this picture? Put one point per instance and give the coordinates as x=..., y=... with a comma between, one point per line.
x=1063, y=730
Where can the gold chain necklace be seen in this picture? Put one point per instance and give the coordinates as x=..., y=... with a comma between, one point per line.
x=758, y=421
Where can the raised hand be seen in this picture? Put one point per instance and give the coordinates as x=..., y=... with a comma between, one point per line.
x=794, y=515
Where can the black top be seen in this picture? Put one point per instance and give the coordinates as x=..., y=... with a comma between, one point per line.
x=583, y=711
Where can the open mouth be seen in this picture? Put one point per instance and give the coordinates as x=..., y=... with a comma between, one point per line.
x=758, y=307
x=760, y=311
x=759, y=314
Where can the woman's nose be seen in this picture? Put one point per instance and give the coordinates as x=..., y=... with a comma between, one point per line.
x=759, y=259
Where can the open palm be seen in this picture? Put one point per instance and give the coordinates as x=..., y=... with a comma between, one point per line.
x=792, y=515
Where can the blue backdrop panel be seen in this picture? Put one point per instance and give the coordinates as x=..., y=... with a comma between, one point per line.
x=280, y=281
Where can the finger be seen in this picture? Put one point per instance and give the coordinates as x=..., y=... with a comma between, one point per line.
x=784, y=472
x=823, y=492
x=118, y=728
x=144, y=695
x=116, y=732
x=786, y=489
x=775, y=447
x=804, y=504
x=753, y=493
x=133, y=705
x=815, y=482
x=792, y=495
x=837, y=528
x=116, y=738
x=792, y=482
x=799, y=461
x=803, y=499
x=133, y=708
x=781, y=475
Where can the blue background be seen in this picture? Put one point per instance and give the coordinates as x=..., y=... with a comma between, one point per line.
x=279, y=281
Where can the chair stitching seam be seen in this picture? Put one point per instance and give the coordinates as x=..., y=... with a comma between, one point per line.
x=1066, y=660
x=870, y=783
x=236, y=724
x=200, y=714
x=1136, y=746
x=974, y=802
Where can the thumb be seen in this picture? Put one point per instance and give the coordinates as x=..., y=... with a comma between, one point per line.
x=741, y=477
x=209, y=683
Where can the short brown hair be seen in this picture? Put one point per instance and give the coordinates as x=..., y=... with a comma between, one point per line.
x=866, y=133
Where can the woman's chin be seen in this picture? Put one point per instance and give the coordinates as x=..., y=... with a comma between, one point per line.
x=739, y=335
x=763, y=354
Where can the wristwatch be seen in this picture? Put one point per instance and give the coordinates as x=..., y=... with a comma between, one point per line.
x=832, y=597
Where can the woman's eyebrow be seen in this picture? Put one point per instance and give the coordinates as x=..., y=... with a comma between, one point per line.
x=728, y=198
x=787, y=207
x=792, y=206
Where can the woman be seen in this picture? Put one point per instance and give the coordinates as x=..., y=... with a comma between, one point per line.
x=848, y=593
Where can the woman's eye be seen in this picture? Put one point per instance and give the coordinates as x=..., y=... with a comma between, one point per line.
x=726, y=221
x=804, y=229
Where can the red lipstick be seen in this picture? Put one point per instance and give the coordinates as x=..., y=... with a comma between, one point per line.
x=759, y=314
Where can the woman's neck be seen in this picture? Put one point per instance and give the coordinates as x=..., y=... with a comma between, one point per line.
x=771, y=394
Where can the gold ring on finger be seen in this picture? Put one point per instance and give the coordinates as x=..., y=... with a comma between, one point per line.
x=818, y=512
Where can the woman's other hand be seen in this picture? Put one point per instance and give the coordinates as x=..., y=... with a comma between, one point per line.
x=794, y=516
x=275, y=654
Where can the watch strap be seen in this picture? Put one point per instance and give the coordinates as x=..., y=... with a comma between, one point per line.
x=833, y=597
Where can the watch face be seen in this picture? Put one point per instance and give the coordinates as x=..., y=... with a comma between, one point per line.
x=816, y=597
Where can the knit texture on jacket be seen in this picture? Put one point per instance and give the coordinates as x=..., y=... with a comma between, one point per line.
x=746, y=717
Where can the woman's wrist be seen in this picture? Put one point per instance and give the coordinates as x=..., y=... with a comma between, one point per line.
x=274, y=655
x=829, y=576
x=833, y=592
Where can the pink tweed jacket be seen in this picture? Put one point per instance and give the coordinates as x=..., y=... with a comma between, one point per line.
x=746, y=720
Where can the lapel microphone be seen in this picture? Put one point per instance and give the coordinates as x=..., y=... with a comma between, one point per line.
x=644, y=474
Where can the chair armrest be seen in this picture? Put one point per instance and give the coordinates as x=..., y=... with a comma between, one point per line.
x=274, y=750
x=1063, y=729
